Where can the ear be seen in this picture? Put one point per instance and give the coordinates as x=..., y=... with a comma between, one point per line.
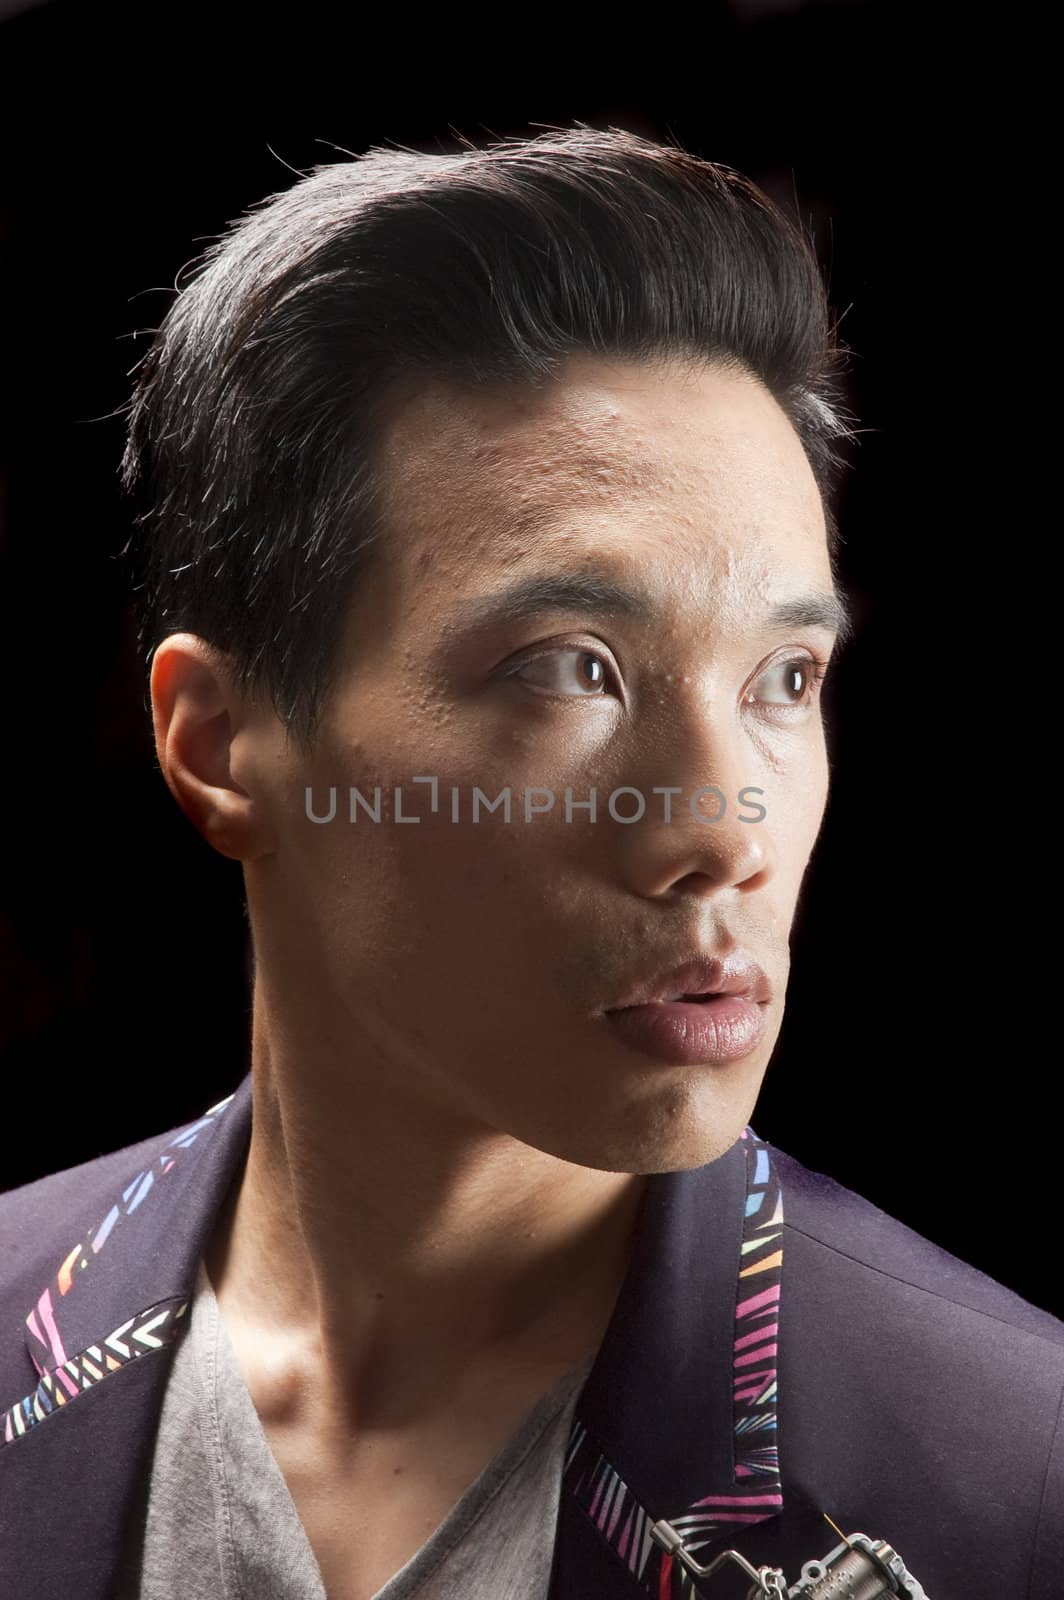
x=197, y=712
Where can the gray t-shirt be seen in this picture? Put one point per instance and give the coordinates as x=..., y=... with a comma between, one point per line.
x=217, y=1520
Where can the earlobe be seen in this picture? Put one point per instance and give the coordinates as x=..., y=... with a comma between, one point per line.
x=235, y=841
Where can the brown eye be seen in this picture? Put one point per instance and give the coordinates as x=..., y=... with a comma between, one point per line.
x=792, y=684
x=575, y=672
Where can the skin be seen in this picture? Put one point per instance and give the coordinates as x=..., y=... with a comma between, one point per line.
x=449, y=1141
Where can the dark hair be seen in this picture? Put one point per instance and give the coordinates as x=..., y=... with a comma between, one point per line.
x=252, y=423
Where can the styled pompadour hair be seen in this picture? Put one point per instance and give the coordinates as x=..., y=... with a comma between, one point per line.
x=250, y=456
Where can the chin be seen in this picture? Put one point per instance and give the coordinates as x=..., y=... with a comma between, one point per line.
x=681, y=1132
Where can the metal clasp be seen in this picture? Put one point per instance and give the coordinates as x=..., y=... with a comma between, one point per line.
x=857, y=1559
x=767, y=1580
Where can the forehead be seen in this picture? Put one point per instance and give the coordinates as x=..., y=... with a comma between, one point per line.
x=695, y=473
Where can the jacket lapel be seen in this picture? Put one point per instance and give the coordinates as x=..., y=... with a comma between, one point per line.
x=73, y=1449
x=677, y=1420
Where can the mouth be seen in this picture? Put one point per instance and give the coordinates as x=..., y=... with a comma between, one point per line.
x=670, y=1000
x=700, y=980
x=707, y=1029
x=703, y=1011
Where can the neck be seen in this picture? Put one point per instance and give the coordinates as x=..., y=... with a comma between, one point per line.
x=395, y=1243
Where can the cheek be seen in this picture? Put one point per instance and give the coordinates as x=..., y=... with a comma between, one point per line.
x=797, y=815
x=464, y=880
x=434, y=887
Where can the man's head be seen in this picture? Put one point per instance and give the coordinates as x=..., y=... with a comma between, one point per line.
x=402, y=445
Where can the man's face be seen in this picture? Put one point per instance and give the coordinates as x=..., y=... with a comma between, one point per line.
x=474, y=962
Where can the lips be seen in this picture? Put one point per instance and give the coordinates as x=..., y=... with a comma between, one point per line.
x=712, y=1031
x=698, y=978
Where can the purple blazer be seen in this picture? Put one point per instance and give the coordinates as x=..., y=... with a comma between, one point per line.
x=781, y=1352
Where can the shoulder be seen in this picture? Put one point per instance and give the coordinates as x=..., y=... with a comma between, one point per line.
x=909, y=1380
x=78, y=1208
x=63, y=1193
x=886, y=1263
x=52, y=1213
x=43, y=1221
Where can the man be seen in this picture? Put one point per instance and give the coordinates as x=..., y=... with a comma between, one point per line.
x=485, y=564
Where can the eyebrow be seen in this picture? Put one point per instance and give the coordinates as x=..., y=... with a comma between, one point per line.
x=538, y=593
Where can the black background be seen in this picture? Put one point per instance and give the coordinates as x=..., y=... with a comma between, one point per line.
x=915, y=1064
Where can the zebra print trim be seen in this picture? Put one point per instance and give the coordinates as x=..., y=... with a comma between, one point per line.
x=152, y=1329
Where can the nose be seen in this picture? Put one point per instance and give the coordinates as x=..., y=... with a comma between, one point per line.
x=699, y=835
